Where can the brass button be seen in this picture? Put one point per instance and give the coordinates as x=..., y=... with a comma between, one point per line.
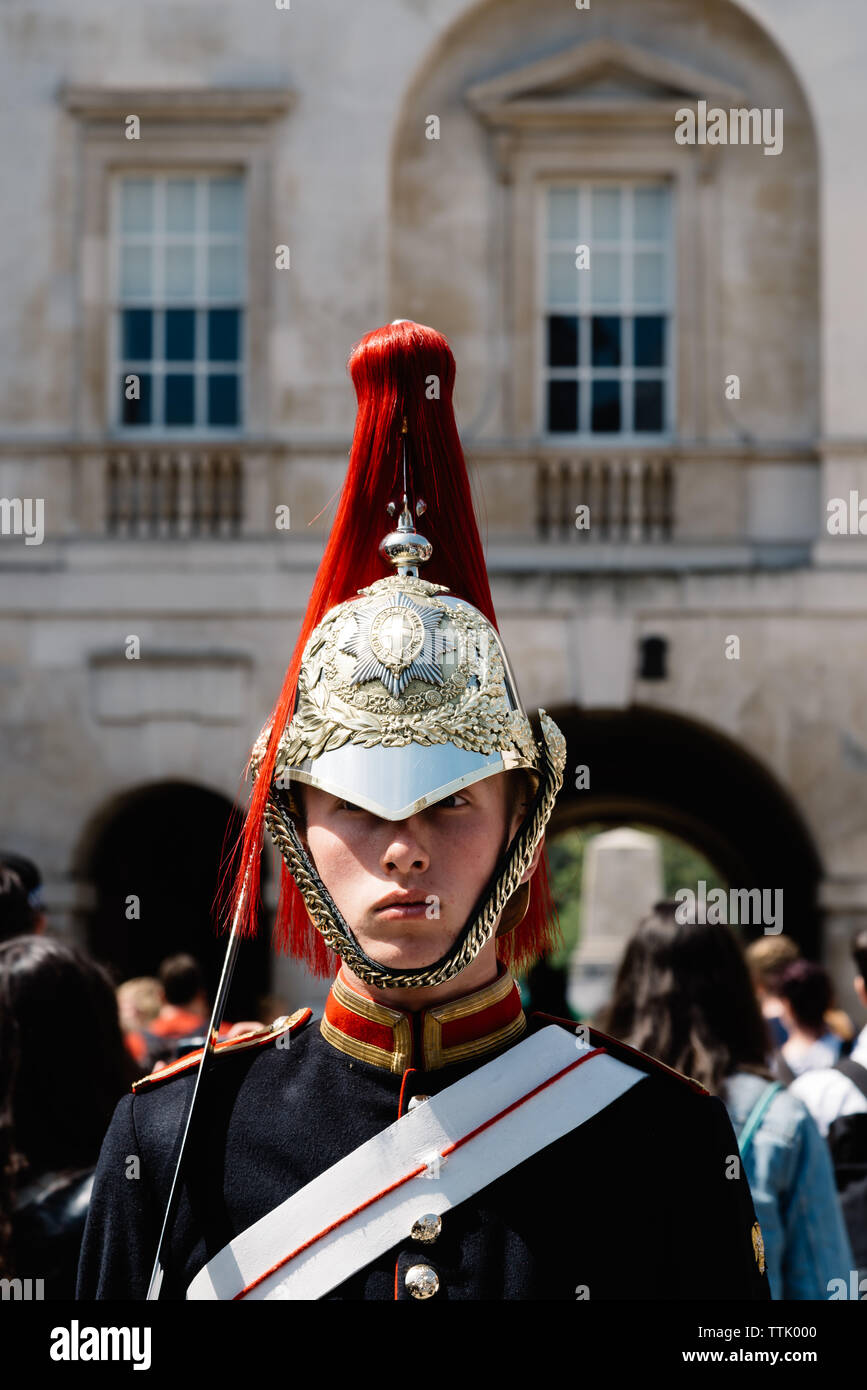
x=416, y=1100
x=422, y=1281
x=427, y=1228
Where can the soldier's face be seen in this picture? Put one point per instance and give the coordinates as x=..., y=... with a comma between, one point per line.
x=406, y=888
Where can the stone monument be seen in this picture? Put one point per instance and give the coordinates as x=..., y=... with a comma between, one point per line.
x=622, y=880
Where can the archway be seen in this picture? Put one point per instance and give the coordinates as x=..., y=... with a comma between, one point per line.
x=163, y=844
x=665, y=770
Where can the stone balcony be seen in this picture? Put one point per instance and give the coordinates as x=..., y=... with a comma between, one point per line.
x=678, y=507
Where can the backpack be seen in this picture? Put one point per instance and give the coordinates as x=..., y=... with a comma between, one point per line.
x=847, y=1140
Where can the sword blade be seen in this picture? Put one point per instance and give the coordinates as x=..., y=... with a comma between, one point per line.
x=217, y=1012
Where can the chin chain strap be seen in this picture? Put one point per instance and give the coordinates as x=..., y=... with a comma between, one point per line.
x=506, y=878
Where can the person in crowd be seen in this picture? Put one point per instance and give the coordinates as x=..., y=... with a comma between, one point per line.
x=182, y=1019
x=683, y=994
x=828, y=1093
x=805, y=991
x=766, y=957
x=31, y=877
x=139, y=1002
x=57, y=1009
x=185, y=1009
x=20, y=897
x=836, y=1097
x=181, y=1022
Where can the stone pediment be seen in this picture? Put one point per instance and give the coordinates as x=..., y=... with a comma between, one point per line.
x=596, y=78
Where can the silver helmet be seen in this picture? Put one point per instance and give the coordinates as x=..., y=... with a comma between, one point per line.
x=404, y=696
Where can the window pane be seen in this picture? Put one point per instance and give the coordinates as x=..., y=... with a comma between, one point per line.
x=137, y=205
x=605, y=277
x=135, y=271
x=136, y=412
x=223, y=399
x=224, y=271
x=223, y=325
x=649, y=284
x=563, y=406
x=562, y=340
x=651, y=214
x=180, y=272
x=605, y=337
x=648, y=407
x=180, y=335
x=225, y=205
x=562, y=278
x=606, y=214
x=137, y=334
x=562, y=214
x=179, y=399
x=180, y=205
x=649, y=332
x=605, y=407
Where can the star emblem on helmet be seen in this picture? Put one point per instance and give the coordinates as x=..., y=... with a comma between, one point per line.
x=390, y=641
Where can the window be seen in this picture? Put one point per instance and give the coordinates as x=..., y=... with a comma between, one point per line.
x=607, y=328
x=179, y=296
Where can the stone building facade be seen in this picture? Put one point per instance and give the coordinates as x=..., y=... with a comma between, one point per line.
x=217, y=200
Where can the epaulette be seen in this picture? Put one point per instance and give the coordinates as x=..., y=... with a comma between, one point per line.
x=282, y=1027
x=624, y=1053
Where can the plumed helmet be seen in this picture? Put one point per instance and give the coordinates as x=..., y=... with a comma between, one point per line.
x=400, y=692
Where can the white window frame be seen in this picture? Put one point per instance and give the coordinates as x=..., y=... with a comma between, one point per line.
x=585, y=310
x=188, y=131
x=199, y=366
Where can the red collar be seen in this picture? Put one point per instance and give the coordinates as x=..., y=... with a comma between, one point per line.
x=466, y=1027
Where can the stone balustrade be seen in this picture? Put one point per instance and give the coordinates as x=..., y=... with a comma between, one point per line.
x=712, y=496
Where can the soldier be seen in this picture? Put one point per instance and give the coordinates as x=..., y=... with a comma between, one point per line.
x=424, y=1138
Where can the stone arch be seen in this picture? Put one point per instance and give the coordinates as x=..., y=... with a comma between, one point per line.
x=685, y=777
x=163, y=842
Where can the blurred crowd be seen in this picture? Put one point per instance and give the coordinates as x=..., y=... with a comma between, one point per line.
x=71, y=1044
x=757, y=1027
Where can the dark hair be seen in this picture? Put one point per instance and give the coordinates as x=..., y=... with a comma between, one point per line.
x=683, y=994
x=806, y=988
x=859, y=952
x=181, y=979
x=17, y=916
x=25, y=869
x=63, y=1064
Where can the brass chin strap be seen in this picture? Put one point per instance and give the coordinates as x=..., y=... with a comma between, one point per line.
x=505, y=881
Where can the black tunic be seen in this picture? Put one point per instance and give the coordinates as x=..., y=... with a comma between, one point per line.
x=633, y=1204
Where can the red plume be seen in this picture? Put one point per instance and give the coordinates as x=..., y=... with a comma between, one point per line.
x=402, y=369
